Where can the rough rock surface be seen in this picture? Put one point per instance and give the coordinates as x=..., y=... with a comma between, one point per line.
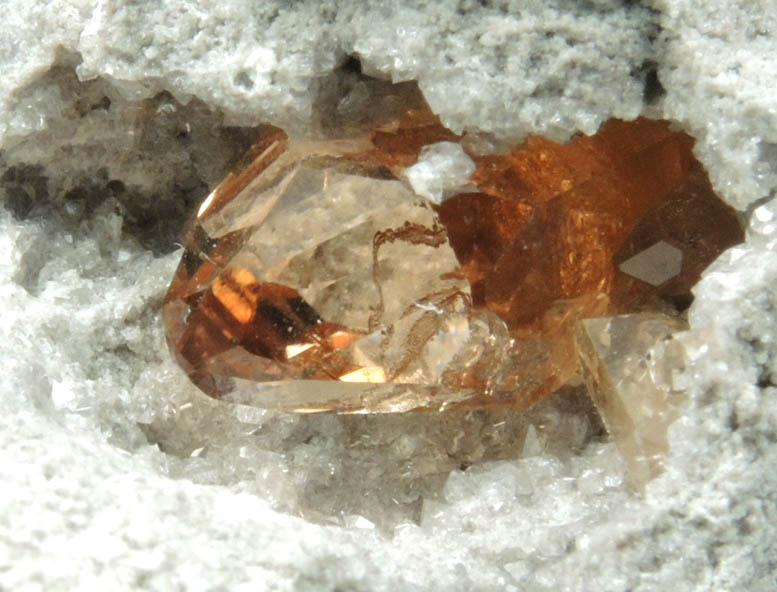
x=115, y=117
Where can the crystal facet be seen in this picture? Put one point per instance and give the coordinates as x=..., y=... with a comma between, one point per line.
x=627, y=363
x=316, y=278
x=655, y=265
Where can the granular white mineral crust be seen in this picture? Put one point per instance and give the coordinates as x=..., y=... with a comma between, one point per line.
x=116, y=117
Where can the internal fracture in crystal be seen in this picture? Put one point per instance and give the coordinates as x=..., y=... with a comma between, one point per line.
x=318, y=278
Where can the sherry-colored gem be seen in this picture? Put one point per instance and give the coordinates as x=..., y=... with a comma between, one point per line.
x=315, y=279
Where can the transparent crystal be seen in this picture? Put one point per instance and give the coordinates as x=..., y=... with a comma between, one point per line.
x=627, y=364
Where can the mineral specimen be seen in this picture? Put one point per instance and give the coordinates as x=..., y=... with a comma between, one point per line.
x=316, y=278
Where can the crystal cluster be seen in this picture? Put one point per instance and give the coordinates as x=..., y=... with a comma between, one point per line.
x=337, y=275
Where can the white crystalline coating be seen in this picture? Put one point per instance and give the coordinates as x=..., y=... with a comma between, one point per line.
x=731, y=49
x=61, y=395
x=655, y=265
x=441, y=169
x=763, y=214
x=80, y=304
x=763, y=222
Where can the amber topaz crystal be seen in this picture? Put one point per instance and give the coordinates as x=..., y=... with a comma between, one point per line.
x=316, y=279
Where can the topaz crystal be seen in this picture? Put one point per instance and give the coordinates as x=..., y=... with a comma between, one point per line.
x=627, y=363
x=316, y=279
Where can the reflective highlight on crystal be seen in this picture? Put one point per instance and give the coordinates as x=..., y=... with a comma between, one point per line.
x=655, y=265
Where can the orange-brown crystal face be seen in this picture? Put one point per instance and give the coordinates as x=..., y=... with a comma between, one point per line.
x=316, y=269
x=560, y=214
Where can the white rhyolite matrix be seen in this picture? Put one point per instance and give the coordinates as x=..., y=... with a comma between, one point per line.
x=116, y=117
